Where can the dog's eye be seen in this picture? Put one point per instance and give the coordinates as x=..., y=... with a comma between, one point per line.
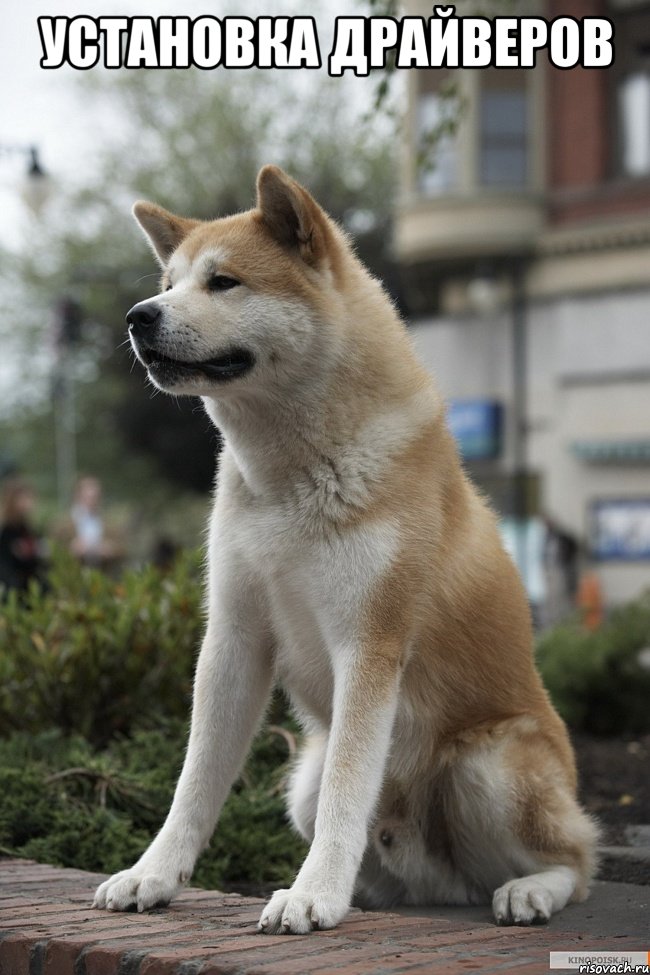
x=221, y=282
x=169, y=287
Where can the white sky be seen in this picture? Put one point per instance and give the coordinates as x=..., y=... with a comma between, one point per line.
x=46, y=107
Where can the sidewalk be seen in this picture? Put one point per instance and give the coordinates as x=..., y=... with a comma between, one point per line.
x=48, y=928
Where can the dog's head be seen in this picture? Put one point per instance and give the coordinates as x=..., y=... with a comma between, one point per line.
x=245, y=300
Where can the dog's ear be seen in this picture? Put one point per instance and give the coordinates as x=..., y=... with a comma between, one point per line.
x=291, y=215
x=163, y=230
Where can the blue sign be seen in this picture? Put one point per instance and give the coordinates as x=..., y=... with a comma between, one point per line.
x=477, y=426
x=620, y=529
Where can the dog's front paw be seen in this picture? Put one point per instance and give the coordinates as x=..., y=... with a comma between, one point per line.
x=522, y=901
x=299, y=911
x=137, y=889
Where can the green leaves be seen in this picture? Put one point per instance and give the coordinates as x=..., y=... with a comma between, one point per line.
x=597, y=680
x=95, y=656
x=62, y=801
x=95, y=687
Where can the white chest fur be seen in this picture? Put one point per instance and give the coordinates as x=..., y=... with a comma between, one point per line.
x=315, y=585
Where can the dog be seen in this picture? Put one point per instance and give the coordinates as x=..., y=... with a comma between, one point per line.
x=351, y=560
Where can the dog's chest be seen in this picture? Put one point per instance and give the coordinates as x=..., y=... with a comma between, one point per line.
x=317, y=586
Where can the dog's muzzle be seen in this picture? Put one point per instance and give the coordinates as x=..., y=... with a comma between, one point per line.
x=144, y=320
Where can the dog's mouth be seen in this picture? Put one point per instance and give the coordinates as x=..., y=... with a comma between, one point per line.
x=235, y=362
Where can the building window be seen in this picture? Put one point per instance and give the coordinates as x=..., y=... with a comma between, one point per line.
x=632, y=95
x=437, y=156
x=503, y=130
x=634, y=114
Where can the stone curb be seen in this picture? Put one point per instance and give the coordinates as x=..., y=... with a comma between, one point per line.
x=47, y=927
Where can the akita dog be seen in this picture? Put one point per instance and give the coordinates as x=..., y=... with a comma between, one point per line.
x=351, y=560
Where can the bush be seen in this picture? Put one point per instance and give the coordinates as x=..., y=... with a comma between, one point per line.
x=95, y=688
x=94, y=656
x=596, y=679
x=69, y=804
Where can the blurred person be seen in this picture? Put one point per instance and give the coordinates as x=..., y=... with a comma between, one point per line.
x=164, y=553
x=589, y=600
x=561, y=551
x=21, y=548
x=91, y=542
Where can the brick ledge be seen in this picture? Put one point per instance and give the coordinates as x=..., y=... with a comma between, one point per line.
x=48, y=928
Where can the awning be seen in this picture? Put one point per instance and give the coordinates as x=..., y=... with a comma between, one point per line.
x=612, y=451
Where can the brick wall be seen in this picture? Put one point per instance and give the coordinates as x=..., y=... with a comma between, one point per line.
x=577, y=127
x=581, y=134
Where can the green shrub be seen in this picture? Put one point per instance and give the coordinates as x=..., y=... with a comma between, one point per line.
x=95, y=688
x=94, y=656
x=596, y=679
x=66, y=803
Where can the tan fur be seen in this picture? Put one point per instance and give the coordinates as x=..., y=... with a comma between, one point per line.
x=354, y=559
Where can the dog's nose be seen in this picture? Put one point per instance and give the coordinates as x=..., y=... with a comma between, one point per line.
x=143, y=316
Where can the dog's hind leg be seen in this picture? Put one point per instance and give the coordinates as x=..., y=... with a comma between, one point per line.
x=560, y=839
x=532, y=899
x=304, y=785
x=500, y=823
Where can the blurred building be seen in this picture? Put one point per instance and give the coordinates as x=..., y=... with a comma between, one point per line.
x=526, y=261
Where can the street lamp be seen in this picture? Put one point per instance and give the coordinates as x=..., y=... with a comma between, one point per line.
x=67, y=334
x=520, y=413
x=37, y=186
x=35, y=192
